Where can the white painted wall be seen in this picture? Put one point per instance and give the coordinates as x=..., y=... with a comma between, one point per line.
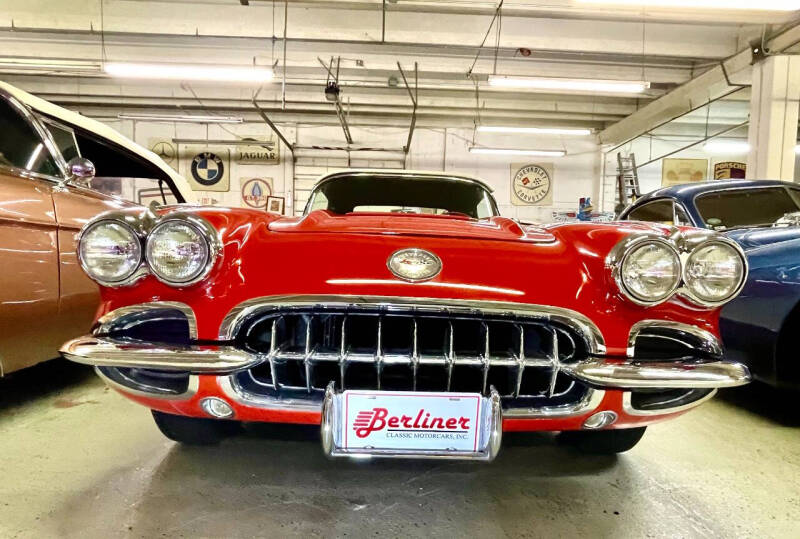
x=575, y=175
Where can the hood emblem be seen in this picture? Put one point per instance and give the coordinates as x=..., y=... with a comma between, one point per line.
x=414, y=264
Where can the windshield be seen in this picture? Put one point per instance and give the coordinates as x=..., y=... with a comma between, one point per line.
x=746, y=207
x=398, y=194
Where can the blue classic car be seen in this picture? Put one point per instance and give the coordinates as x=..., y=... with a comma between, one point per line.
x=760, y=326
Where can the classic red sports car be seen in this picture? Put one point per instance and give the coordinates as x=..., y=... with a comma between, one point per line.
x=405, y=316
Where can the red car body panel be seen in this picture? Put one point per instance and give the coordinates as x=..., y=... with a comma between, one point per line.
x=561, y=265
x=496, y=259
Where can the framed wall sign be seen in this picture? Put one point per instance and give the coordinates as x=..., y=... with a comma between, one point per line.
x=678, y=171
x=255, y=192
x=206, y=168
x=262, y=152
x=276, y=204
x=532, y=184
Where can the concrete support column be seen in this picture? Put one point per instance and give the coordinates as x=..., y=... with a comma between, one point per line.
x=774, y=107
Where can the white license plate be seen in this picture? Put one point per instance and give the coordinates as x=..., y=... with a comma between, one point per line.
x=387, y=420
x=411, y=424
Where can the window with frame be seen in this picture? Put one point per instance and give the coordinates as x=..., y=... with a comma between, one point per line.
x=21, y=146
x=64, y=139
x=658, y=211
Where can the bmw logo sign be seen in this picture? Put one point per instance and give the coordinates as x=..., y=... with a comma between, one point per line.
x=207, y=168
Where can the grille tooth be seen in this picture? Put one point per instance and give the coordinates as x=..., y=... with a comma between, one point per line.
x=419, y=350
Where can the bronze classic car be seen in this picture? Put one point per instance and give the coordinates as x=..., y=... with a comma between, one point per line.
x=59, y=169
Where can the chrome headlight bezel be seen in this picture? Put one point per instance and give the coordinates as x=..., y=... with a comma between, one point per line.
x=204, y=230
x=138, y=271
x=624, y=249
x=684, y=243
x=687, y=291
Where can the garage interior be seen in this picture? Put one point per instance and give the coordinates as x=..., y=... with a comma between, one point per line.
x=422, y=85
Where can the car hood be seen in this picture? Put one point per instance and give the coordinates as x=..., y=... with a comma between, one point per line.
x=752, y=238
x=495, y=228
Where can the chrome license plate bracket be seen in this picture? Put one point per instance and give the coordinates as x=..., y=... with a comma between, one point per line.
x=405, y=424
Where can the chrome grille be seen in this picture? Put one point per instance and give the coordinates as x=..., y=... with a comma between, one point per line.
x=305, y=348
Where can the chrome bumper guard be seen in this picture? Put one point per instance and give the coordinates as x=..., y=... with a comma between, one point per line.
x=490, y=434
x=661, y=375
x=105, y=352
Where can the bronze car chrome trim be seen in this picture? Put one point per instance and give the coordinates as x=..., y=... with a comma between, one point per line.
x=194, y=384
x=629, y=409
x=661, y=375
x=105, y=352
x=581, y=323
x=710, y=343
x=108, y=321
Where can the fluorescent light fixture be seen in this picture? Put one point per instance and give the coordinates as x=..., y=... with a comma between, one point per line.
x=182, y=118
x=189, y=72
x=48, y=65
x=510, y=151
x=762, y=5
x=727, y=146
x=578, y=85
x=568, y=131
x=797, y=149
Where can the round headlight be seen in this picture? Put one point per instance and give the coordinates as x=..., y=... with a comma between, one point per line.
x=650, y=272
x=177, y=252
x=109, y=252
x=714, y=272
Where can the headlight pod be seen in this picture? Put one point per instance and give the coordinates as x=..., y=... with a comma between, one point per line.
x=110, y=252
x=649, y=271
x=714, y=272
x=179, y=251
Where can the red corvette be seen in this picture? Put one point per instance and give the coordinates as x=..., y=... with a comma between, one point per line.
x=405, y=316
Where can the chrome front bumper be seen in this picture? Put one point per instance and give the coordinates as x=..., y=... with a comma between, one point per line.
x=598, y=373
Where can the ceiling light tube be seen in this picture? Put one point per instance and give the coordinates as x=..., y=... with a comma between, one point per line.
x=568, y=131
x=727, y=146
x=189, y=72
x=511, y=151
x=577, y=85
x=762, y=5
x=182, y=118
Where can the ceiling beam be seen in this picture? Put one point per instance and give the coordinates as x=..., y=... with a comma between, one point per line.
x=711, y=85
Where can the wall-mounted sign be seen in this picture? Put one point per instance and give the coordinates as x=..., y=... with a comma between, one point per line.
x=165, y=149
x=255, y=192
x=678, y=171
x=532, y=184
x=207, y=200
x=276, y=205
x=730, y=170
x=206, y=168
x=264, y=151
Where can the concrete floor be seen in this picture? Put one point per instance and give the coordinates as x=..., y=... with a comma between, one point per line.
x=78, y=460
